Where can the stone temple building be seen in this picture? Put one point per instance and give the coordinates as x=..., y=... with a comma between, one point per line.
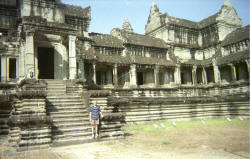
x=52, y=68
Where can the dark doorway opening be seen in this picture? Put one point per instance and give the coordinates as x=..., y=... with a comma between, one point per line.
x=46, y=63
x=0, y=69
x=12, y=68
x=139, y=78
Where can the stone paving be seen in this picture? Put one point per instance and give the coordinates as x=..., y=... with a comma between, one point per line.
x=119, y=150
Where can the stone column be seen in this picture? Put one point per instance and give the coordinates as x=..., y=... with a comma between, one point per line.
x=177, y=74
x=133, y=76
x=194, y=75
x=81, y=69
x=21, y=62
x=217, y=78
x=204, y=75
x=3, y=68
x=94, y=72
x=233, y=71
x=29, y=56
x=248, y=67
x=156, y=75
x=72, y=57
x=115, y=75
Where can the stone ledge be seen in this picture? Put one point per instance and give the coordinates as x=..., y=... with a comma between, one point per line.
x=32, y=120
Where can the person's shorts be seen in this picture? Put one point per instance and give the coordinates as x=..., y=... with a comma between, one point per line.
x=94, y=122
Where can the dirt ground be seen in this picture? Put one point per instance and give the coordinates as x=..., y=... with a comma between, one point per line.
x=216, y=139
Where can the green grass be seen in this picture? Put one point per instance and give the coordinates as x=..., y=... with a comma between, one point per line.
x=149, y=128
x=165, y=142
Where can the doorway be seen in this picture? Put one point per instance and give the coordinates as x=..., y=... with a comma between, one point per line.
x=139, y=78
x=12, y=68
x=45, y=63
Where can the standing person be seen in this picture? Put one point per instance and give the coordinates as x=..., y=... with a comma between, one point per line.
x=94, y=117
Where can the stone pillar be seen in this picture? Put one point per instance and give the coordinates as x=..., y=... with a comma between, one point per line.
x=133, y=76
x=29, y=56
x=115, y=75
x=248, y=67
x=204, y=75
x=21, y=62
x=81, y=69
x=72, y=57
x=194, y=75
x=217, y=78
x=233, y=72
x=156, y=75
x=7, y=68
x=177, y=74
x=94, y=72
x=4, y=68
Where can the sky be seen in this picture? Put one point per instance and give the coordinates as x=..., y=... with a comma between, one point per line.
x=109, y=14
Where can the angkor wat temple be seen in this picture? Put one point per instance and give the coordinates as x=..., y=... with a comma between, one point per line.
x=51, y=69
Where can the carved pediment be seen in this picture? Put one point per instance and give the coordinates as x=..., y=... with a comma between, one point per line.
x=229, y=15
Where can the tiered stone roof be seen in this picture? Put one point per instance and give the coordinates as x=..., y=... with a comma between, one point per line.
x=188, y=23
x=236, y=36
x=236, y=57
x=139, y=39
x=106, y=40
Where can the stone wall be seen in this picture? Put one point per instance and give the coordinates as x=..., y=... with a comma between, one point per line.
x=142, y=105
x=28, y=122
x=49, y=10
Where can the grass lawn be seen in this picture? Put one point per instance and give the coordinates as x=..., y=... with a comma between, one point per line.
x=215, y=134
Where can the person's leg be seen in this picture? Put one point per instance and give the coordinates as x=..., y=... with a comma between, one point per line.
x=93, y=132
x=96, y=130
x=93, y=129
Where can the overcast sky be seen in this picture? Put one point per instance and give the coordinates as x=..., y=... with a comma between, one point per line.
x=108, y=14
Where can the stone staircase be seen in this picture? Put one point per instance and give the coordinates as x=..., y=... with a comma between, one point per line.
x=4, y=115
x=69, y=115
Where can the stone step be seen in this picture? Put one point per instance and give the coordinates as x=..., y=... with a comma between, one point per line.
x=56, y=89
x=68, y=130
x=63, y=107
x=73, y=135
x=73, y=119
x=64, y=96
x=66, y=111
x=3, y=126
x=4, y=111
x=64, y=101
x=2, y=116
x=56, y=85
x=72, y=124
x=4, y=131
x=72, y=141
x=5, y=119
x=65, y=104
x=53, y=93
x=49, y=85
x=69, y=123
x=55, y=81
x=52, y=89
x=62, y=115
